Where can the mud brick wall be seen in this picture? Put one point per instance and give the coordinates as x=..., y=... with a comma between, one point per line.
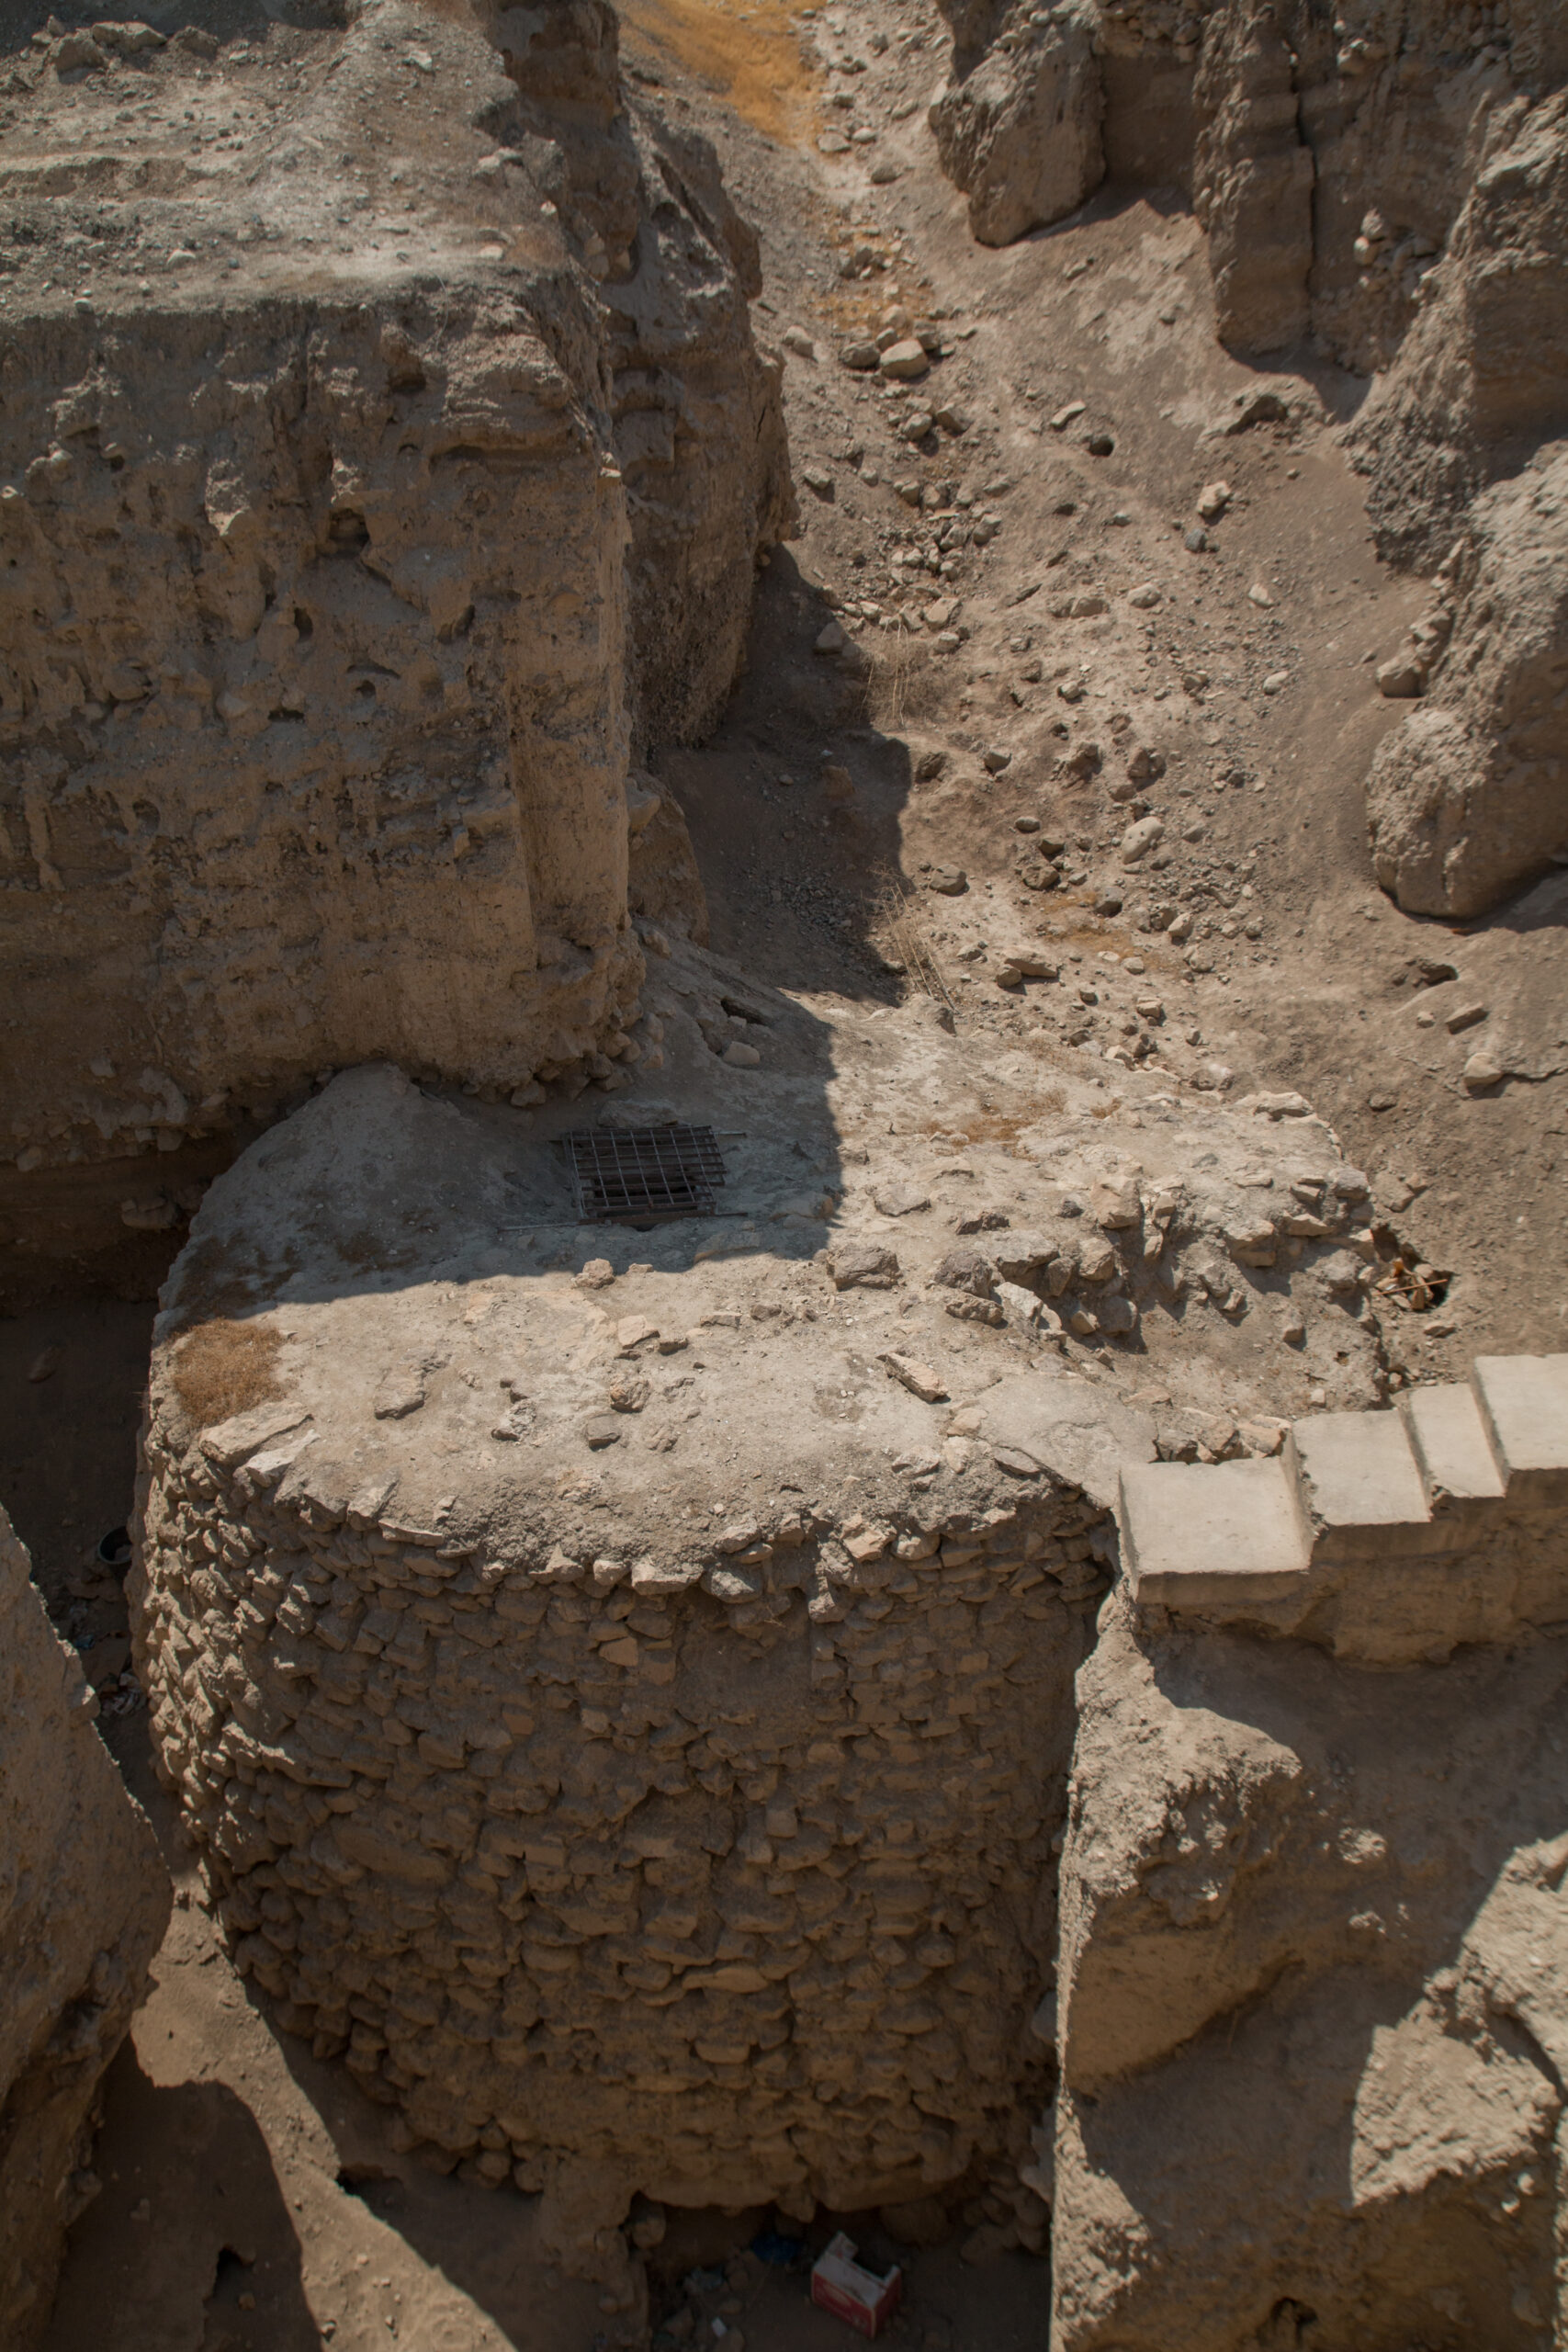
x=722, y=1879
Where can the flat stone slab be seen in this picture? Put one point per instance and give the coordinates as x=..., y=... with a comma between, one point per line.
x=1197, y=1537
x=1075, y=1431
x=1363, y=1487
x=1524, y=1403
x=1451, y=1442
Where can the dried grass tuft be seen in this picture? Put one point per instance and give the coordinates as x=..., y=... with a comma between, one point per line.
x=223, y=1367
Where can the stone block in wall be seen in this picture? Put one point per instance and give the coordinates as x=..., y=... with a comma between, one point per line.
x=86, y=1900
x=1455, y=1453
x=1234, y=1537
x=1524, y=1409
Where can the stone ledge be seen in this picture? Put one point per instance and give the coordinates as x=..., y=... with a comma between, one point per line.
x=1212, y=1538
x=1452, y=1449
x=1361, y=1486
x=1524, y=1408
x=1387, y=1536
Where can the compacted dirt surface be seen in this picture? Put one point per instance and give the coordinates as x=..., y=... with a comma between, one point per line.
x=1118, y=580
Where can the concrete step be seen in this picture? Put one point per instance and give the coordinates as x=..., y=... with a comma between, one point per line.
x=1363, y=1488
x=1524, y=1403
x=1451, y=1443
x=1373, y=1531
x=1212, y=1538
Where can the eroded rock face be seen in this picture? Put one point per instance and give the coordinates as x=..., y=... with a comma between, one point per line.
x=303, y=689
x=1253, y=179
x=698, y=419
x=1468, y=799
x=1313, y=2019
x=83, y=1902
x=1475, y=381
x=1392, y=185
x=1329, y=162
x=331, y=612
x=1020, y=132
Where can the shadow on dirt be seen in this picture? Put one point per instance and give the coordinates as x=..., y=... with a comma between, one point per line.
x=190, y=2241
x=795, y=803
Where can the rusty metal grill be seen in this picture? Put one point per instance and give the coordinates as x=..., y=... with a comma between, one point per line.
x=630, y=1174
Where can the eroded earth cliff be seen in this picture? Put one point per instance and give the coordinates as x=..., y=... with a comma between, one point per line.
x=345, y=562
x=84, y=1901
x=1390, y=191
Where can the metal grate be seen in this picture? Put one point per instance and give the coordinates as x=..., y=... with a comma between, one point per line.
x=636, y=1172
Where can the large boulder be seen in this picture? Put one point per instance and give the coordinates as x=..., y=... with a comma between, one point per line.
x=83, y=1902
x=1469, y=798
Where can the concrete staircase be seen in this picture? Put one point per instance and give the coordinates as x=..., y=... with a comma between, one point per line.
x=1389, y=1537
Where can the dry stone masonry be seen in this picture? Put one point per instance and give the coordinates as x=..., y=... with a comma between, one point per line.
x=642, y=1807
x=623, y=1684
x=723, y=1877
x=619, y=1719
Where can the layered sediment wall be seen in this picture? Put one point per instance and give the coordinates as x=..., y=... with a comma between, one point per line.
x=319, y=724
x=332, y=610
